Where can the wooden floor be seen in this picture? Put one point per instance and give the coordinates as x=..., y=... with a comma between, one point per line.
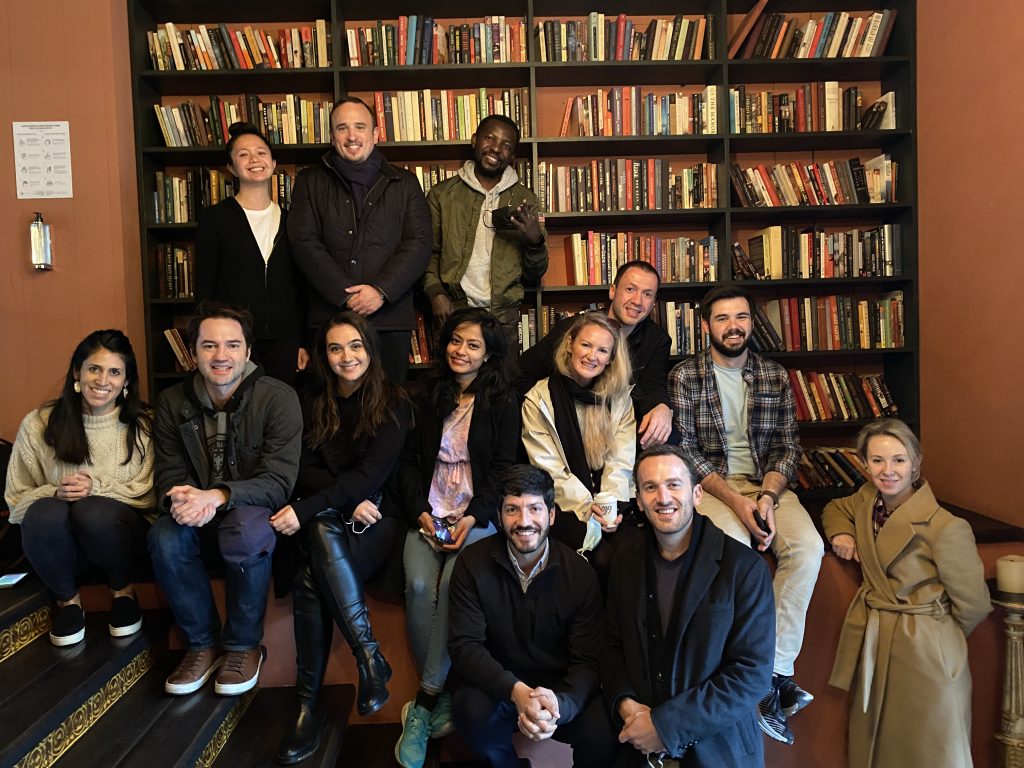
x=373, y=746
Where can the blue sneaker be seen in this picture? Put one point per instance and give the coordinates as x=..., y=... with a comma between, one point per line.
x=411, y=749
x=441, y=723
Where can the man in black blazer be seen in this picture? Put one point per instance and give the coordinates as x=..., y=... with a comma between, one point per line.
x=690, y=631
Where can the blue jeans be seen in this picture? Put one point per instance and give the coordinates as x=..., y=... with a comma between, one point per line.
x=243, y=540
x=427, y=574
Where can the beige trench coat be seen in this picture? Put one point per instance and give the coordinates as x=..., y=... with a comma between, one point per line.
x=903, y=649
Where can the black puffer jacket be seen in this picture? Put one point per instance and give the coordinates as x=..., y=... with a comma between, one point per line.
x=387, y=245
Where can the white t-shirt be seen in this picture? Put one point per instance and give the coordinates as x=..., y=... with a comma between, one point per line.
x=264, y=225
x=732, y=391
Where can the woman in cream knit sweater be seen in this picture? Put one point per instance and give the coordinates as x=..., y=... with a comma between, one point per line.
x=80, y=481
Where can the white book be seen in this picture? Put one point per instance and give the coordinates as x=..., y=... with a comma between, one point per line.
x=833, y=115
x=837, y=37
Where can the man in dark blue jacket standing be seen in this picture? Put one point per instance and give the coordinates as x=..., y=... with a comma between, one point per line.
x=360, y=233
x=690, y=631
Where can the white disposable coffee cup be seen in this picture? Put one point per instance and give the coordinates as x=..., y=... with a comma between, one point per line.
x=610, y=506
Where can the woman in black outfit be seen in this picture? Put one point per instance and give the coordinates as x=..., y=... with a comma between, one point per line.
x=242, y=257
x=355, y=426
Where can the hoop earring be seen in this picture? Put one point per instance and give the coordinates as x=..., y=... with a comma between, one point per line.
x=77, y=386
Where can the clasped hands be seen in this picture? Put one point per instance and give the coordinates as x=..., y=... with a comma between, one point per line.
x=74, y=487
x=638, y=728
x=538, y=711
x=195, y=507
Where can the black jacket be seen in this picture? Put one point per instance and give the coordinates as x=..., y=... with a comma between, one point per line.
x=724, y=650
x=648, y=352
x=494, y=435
x=387, y=245
x=230, y=268
x=550, y=636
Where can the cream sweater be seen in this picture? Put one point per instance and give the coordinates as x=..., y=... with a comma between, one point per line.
x=35, y=473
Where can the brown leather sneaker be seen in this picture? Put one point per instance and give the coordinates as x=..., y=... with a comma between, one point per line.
x=193, y=671
x=241, y=671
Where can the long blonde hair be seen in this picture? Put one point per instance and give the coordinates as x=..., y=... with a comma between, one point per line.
x=610, y=385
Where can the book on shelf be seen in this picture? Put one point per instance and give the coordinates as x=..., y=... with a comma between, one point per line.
x=179, y=199
x=625, y=184
x=608, y=37
x=629, y=111
x=175, y=270
x=790, y=252
x=423, y=40
x=818, y=106
x=444, y=115
x=840, y=396
x=831, y=467
x=183, y=355
x=833, y=182
x=534, y=326
x=194, y=48
x=836, y=34
x=597, y=256
x=289, y=120
x=681, y=321
x=828, y=323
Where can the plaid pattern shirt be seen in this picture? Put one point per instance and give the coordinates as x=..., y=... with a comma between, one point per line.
x=771, y=416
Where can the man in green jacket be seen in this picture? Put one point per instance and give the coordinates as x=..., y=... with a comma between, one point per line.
x=488, y=238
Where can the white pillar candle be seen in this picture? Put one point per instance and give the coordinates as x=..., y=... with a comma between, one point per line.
x=1010, y=574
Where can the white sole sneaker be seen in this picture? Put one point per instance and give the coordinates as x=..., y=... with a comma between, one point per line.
x=181, y=689
x=233, y=689
x=62, y=641
x=131, y=629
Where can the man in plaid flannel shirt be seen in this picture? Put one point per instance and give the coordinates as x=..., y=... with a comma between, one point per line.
x=734, y=411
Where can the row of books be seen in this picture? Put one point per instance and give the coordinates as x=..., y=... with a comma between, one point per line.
x=433, y=174
x=421, y=341
x=421, y=40
x=175, y=270
x=601, y=38
x=444, y=115
x=823, y=323
x=178, y=199
x=838, y=34
x=788, y=252
x=625, y=185
x=239, y=47
x=835, y=182
x=831, y=467
x=832, y=396
x=681, y=321
x=821, y=106
x=597, y=256
x=184, y=359
x=628, y=111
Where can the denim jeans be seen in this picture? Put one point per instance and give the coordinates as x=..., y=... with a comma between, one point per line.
x=243, y=540
x=427, y=574
x=798, y=548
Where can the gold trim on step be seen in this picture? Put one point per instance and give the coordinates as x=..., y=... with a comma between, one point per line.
x=220, y=738
x=24, y=631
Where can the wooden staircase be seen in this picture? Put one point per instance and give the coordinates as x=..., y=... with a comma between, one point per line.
x=101, y=703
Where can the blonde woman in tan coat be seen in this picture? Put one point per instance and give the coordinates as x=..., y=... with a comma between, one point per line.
x=903, y=649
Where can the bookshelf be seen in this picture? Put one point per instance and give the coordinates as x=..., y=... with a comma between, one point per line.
x=546, y=86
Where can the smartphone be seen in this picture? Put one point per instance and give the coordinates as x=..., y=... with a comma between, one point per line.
x=501, y=218
x=762, y=523
x=10, y=579
x=442, y=532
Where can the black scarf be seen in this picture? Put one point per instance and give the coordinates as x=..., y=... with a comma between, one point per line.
x=360, y=176
x=565, y=393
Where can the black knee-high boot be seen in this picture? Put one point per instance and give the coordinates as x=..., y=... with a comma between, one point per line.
x=313, y=630
x=342, y=590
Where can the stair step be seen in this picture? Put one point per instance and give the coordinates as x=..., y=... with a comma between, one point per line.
x=151, y=729
x=24, y=615
x=257, y=737
x=51, y=695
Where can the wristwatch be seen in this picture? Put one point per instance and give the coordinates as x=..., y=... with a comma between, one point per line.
x=772, y=495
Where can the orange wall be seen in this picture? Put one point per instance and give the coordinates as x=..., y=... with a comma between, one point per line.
x=96, y=282
x=972, y=271
x=969, y=264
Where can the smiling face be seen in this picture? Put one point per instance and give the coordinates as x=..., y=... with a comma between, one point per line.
x=221, y=355
x=526, y=521
x=494, y=147
x=352, y=133
x=101, y=378
x=633, y=298
x=347, y=357
x=466, y=352
x=729, y=327
x=590, y=353
x=892, y=469
x=251, y=160
x=666, y=494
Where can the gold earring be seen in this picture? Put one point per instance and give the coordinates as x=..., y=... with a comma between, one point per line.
x=77, y=386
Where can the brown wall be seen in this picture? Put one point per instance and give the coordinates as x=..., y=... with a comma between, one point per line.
x=66, y=61
x=972, y=271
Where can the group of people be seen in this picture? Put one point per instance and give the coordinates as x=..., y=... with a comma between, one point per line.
x=637, y=632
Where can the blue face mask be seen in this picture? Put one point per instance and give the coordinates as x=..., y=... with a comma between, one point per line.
x=593, y=537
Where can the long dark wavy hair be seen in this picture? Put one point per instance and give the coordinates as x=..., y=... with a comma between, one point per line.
x=65, y=430
x=491, y=386
x=380, y=397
